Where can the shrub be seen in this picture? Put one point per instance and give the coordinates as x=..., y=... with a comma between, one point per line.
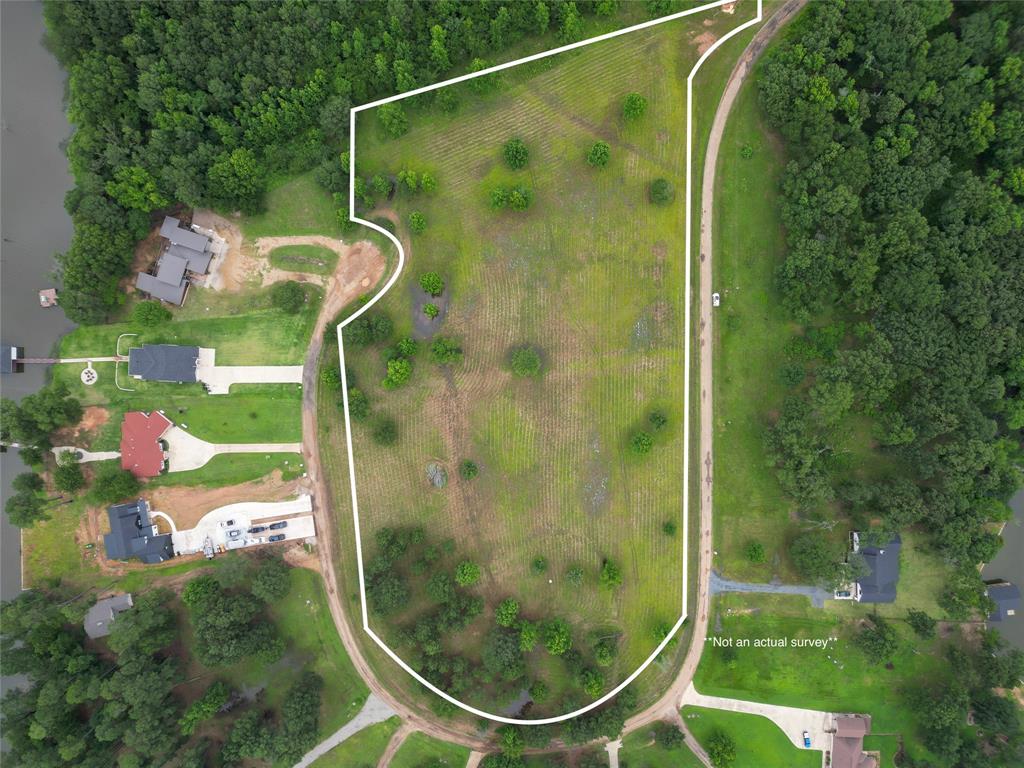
x=330, y=377
x=529, y=634
x=468, y=469
x=575, y=576
x=605, y=651
x=407, y=347
x=205, y=707
x=539, y=565
x=668, y=736
x=368, y=329
x=392, y=119
x=516, y=154
x=658, y=420
x=599, y=154
x=669, y=527
x=467, y=574
x=520, y=197
x=507, y=612
x=287, y=297
x=755, y=552
x=557, y=637
x=539, y=691
x=385, y=430
x=499, y=198
x=921, y=623
x=721, y=749
x=611, y=576
x=381, y=184
x=747, y=152
x=417, y=222
x=592, y=682
x=526, y=362
x=431, y=310
x=68, y=475
x=641, y=443
x=432, y=283
x=112, y=484
x=445, y=351
x=150, y=314
x=358, y=404
x=634, y=106
x=428, y=183
x=399, y=372
x=662, y=192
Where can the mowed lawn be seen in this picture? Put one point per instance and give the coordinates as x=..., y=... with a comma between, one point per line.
x=419, y=750
x=759, y=742
x=640, y=750
x=838, y=678
x=592, y=275
x=362, y=749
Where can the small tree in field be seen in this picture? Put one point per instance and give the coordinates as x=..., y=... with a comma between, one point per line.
x=431, y=310
x=526, y=362
x=432, y=283
x=634, y=106
x=385, y=430
x=507, y=613
x=599, y=154
x=921, y=623
x=641, y=443
x=516, y=154
x=574, y=576
x=539, y=565
x=662, y=192
x=468, y=469
x=557, y=637
x=150, y=314
x=755, y=552
x=668, y=736
x=399, y=372
x=520, y=197
x=288, y=297
x=445, y=351
x=721, y=749
x=68, y=476
x=392, y=119
x=417, y=222
x=467, y=574
x=669, y=527
x=499, y=198
x=611, y=576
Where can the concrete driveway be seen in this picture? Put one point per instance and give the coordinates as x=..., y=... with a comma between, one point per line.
x=84, y=455
x=791, y=720
x=219, y=378
x=214, y=525
x=186, y=452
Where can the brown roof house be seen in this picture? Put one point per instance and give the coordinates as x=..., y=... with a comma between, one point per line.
x=848, y=742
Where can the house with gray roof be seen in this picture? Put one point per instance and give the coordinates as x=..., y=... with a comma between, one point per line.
x=99, y=618
x=188, y=253
x=163, y=362
x=133, y=534
x=1006, y=598
x=883, y=562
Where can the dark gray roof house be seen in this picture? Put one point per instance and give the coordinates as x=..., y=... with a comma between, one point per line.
x=879, y=584
x=132, y=534
x=1006, y=597
x=8, y=355
x=99, y=618
x=163, y=362
x=188, y=252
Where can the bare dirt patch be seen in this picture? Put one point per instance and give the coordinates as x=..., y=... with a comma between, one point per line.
x=85, y=431
x=185, y=505
x=704, y=41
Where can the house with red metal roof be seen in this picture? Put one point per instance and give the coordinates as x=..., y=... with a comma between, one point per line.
x=142, y=453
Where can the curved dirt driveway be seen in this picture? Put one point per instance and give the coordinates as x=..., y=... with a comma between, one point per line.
x=666, y=707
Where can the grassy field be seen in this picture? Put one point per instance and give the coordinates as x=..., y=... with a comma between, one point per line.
x=639, y=750
x=363, y=750
x=837, y=679
x=294, y=206
x=592, y=275
x=420, y=749
x=305, y=258
x=759, y=742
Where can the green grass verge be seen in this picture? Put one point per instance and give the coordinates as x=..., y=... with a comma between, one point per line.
x=362, y=750
x=304, y=258
x=639, y=750
x=294, y=206
x=234, y=468
x=759, y=742
x=420, y=748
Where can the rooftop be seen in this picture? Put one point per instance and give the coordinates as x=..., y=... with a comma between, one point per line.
x=132, y=534
x=99, y=618
x=879, y=584
x=173, y=293
x=163, y=362
x=179, y=235
x=1006, y=596
x=848, y=743
x=141, y=452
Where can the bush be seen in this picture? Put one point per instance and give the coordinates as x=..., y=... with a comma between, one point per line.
x=417, y=222
x=381, y=184
x=747, y=152
x=721, y=749
x=668, y=736
x=445, y=351
x=605, y=651
x=205, y=707
x=468, y=469
x=662, y=192
x=330, y=377
x=641, y=443
x=921, y=623
x=634, y=106
x=112, y=484
x=539, y=565
x=526, y=362
x=669, y=527
x=878, y=640
x=407, y=347
x=557, y=637
x=539, y=691
x=358, y=404
x=516, y=154
x=399, y=372
x=658, y=420
x=428, y=183
x=288, y=297
x=520, y=197
x=385, y=430
x=611, y=576
x=467, y=574
x=150, y=314
x=499, y=198
x=432, y=283
x=575, y=576
x=68, y=475
x=368, y=329
x=507, y=613
x=431, y=310
x=599, y=154
x=271, y=582
x=392, y=119
x=755, y=552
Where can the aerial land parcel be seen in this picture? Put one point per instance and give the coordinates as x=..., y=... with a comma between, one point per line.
x=592, y=276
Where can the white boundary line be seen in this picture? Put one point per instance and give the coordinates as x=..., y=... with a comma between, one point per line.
x=686, y=343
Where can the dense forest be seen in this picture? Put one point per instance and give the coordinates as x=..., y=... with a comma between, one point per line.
x=201, y=102
x=902, y=204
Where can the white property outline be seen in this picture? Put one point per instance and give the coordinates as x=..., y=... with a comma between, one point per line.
x=686, y=342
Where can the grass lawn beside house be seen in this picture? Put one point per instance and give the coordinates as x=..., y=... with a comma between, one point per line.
x=640, y=750
x=759, y=742
x=420, y=749
x=363, y=749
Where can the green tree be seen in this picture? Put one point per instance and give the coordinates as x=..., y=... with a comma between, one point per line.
x=575, y=576
x=879, y=640
x=539, y=565
x=428, y=182
x=358, y=404
x=237, y=180
x=526, y=362
x=399, y=372
x=289, y=297
x=272, y=580
x=24, y=509
x=431, y=283
x=658, y=420
x=520, y=197
x=515, y=153
x=668, y=736
x=605, y=651
x=68, y=475
x=634, y=106
x=754, y=552
x=467, y=574
x=468, y=469
x=816, y=559
x=431, y=310
x=557, y=637
x=599, y=154
x=385, y=430
x=721, y=749
x=205, y=707
x=446, y=351
x=133, y=187
x=572, y=24
x=529, y=635
x=921, y=623
x=507, y=612
x=417, y=222
x=147, y=627
x=661, y=192
x=112, y=484
x=611, y=576
x=27, y=482
x=150, y=314
x=392, y=119
x=641, y=443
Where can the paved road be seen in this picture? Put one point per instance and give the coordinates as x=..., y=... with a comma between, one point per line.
x=817, y=595
x=791, y=720
x=374, y=711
